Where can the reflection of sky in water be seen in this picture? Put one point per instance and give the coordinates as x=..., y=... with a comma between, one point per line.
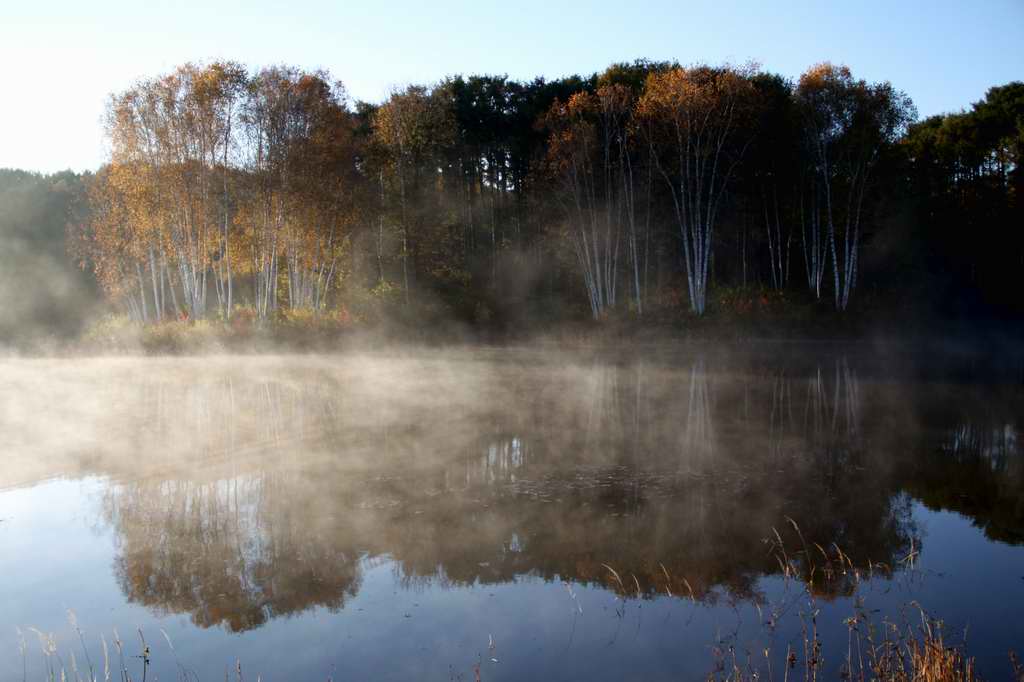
x=57, y=556
x=390, y=520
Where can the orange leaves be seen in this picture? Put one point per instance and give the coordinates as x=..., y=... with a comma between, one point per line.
x=580, y=105
x=615, y=100
x=104, y=242
x=698, y=95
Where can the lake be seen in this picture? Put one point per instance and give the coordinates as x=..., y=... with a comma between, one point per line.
x=508, y=514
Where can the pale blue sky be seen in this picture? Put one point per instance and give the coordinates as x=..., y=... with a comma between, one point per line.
x=60, y=59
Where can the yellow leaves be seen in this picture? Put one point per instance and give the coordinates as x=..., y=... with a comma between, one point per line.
x=213, y=83
x=825, y=74
x=412, y=122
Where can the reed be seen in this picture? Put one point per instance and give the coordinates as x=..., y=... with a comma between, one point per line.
x=875, y=652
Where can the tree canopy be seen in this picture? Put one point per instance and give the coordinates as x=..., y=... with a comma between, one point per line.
x=649, y=189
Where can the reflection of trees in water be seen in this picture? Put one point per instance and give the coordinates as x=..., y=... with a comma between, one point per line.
x=555, y=474
x=780, y=417
x=698, y=438
x=228, y=415
x=503, y=458
x=973, y=460
x=833, y=409
x=995, y=443
x=232, y=552
x=832, y=423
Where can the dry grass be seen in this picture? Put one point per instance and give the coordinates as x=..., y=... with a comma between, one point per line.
x=888, y=653
x=932, y=661
x=914, y=657
x=883, y=651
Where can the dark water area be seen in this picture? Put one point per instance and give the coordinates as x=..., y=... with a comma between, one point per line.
x=512, y=514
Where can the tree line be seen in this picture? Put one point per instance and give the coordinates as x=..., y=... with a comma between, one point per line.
x=641, y=190
x=39, y=288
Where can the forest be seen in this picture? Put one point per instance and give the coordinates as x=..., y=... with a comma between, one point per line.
x=648, y=194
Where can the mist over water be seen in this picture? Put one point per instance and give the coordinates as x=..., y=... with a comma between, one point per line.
x=419, y=513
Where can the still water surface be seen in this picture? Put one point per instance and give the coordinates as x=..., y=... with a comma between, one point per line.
x=512, y=514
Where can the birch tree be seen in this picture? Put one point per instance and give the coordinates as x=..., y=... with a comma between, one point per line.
x=590, y=152
x=216, y=97
x=266, y=117
x=847, y=123
x=694, y=119
x=105, y=244
x=132, y=188
x=771, y=173
x=322, y=160
x=170, y=137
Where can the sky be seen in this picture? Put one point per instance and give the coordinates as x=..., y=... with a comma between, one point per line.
x=61, y=59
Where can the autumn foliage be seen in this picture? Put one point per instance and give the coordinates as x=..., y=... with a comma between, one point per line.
x=272, y=191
